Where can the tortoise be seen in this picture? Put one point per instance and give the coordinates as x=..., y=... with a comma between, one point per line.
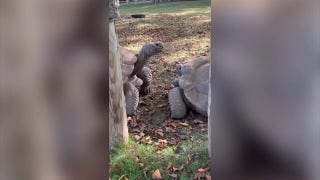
x=191, y=88
x=137, y=77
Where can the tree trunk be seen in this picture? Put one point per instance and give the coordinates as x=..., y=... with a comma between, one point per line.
x=118, y=129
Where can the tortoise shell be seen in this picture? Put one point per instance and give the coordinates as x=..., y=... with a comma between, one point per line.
x=194, y=80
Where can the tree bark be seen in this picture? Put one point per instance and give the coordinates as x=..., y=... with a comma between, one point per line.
x=118, y=129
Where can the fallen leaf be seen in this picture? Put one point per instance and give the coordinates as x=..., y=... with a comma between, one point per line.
x=178, y=169
x=145, y=174
x=202, y=129
x=147, y=140
x=118, y=166
x=181, y=167
x=162, y=141
x=174, y=169
x=159, y=157
x=160, y=134
x=132, y=121
x=173, y=175
x=145, y=170
x=169, y=166
x=184, y=124
x=188, y=159
x=173, y=124
x=197, y=121
x=136, y=159
x=201, y=170
x=169, y=129
x=156, y=174
x=137, y=137
x=161, y=146
x=123, y=177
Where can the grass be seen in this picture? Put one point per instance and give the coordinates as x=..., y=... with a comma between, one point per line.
x=184, y=29
x=199, y=7
x=124, y=160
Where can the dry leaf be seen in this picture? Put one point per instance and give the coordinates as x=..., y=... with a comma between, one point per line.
x=184, y=124
x=188, y=159
x=123, y=177
x=162, y=141
x=201, y=170
x=161, y=146
x=173, y=175
x=169, y=129
x=160, y=134
x=169, y=166
x=178, y=169
x=145, y=170
x=197, y=121
x=174, y=125
x=202, y=129
x=174, y=169
x=118, y=166
x=181, y=167
x=147, y=140
x=156, y=174
x=137, y=137
x=136, y=159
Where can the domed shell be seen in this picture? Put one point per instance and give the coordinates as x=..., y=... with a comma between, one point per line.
x=128, y=58
x=194, y=81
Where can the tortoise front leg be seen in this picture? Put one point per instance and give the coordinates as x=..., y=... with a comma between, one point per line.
x=146, y=75
x=177, y=105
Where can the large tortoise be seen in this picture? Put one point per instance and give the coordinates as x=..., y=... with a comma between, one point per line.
x=135, y=75
x=191, y=88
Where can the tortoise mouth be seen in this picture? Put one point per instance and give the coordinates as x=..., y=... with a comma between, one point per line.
x=158, y=50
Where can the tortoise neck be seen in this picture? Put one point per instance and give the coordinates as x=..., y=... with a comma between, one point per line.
x=144, y=55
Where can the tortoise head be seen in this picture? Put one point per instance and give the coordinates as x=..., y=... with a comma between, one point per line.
x=179, y=69
x=152, y=48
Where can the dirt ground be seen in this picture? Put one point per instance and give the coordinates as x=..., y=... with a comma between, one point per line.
x=185, y=36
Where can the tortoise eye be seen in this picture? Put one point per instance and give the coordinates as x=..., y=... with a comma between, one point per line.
x=179, y=67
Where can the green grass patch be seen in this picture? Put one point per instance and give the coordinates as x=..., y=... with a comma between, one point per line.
x=123, y=159
x=199, y=7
